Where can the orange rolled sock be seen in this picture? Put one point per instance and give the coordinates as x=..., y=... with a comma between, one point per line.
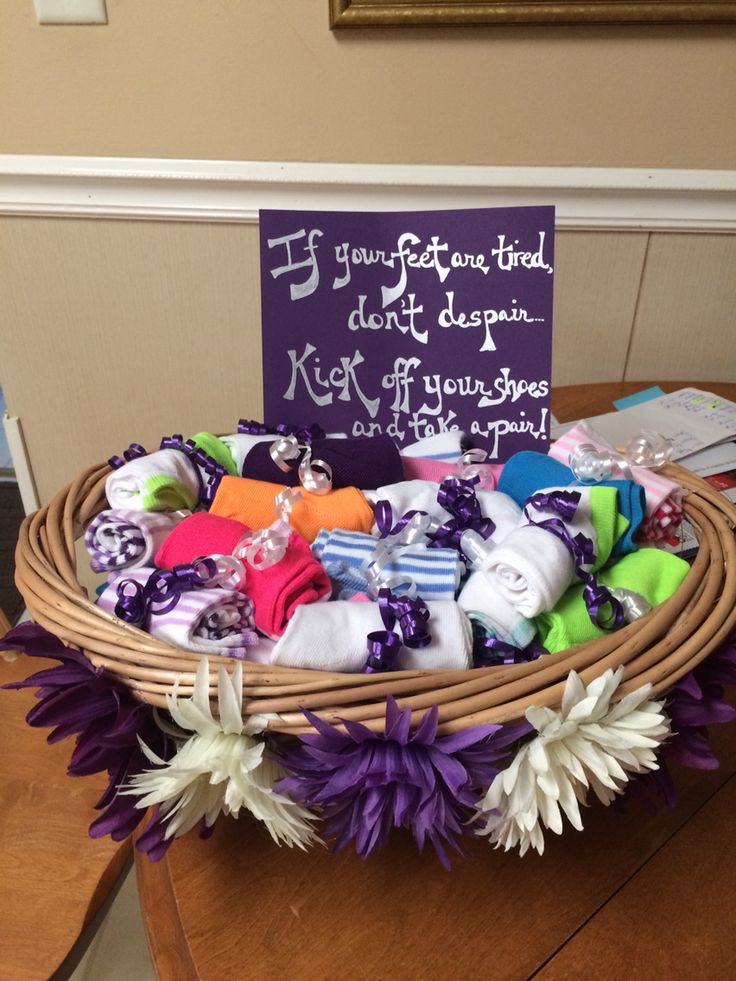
x=252, y=502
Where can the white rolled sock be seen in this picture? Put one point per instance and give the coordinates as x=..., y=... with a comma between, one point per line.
x=161, y=481
x=421, y=495
x=443, y=446
x=503, y=511
x=333, y=637
x=240, y=445
x=408, y=495
x=532, y=568
x=483, y=602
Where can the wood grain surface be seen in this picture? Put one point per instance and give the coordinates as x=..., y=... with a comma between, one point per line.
x=53, y=877
x=635, y=895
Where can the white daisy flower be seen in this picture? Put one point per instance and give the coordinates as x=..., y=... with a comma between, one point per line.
x=220, y=768
x=588, y=743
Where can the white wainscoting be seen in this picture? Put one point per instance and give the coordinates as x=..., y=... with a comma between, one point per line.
x=589, y=198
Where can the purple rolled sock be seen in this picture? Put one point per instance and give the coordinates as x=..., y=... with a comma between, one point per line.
x=365, y=463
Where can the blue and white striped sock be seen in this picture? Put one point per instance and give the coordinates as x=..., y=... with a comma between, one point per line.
x=436, y=572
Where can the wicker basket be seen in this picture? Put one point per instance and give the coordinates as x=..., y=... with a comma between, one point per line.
x=659, y=648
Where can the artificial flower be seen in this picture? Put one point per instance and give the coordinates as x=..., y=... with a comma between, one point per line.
x=220, y=768
x=365, y=783
x=692, y=704
x=588, y=743
x=77, y=699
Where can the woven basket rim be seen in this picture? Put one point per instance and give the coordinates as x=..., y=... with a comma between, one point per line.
x=658, y=649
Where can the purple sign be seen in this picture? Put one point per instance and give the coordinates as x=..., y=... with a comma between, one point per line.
x=410, y=323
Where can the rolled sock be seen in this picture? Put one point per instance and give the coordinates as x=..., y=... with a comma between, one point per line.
x=332, y=637
x=166, y=480
x=532, y=567
x=408, y=495
x=482, y=602
x=443, y=446
x=208, y=621
x=651, y=572
x=526, y=472
x=252, y=503
x=240, y=445
x=658, y=490
x=279, y=589
x=126, y=539
x=365, y=463
x=504, y=512
x=199, y=534
x=220, y=452
x=434, y=571
x=421, y=495
x=530, y=570
x=421, y=468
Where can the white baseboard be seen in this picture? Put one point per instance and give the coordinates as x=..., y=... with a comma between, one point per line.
x=590, y=198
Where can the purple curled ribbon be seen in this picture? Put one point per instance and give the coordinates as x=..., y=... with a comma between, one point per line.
x=383, y=515
x=457, y=495
x=209, y=471
x=134, y=451
x=163, y=590
x=383, y=646
x=304, y=434
x=492, y=652
x=604, y=610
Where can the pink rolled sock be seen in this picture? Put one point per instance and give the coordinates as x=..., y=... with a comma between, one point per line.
x=199, y=534
x=422, y=468
x=279, y=589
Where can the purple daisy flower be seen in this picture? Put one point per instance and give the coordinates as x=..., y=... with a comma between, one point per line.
x=79, y=700
x=365, y=783
x=693, y=703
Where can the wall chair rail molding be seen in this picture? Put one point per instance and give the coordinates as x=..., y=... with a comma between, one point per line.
x=228, y=191
x=436, y=13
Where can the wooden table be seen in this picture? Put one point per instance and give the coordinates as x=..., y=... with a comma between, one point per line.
x=53, y=877
x=633, y=896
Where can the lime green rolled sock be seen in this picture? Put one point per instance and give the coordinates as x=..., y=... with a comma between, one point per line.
x=608, y=523
x=213, y=446
x=651, y=572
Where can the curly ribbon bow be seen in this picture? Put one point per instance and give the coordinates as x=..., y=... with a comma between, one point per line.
x=163, y=589
x=590, y=465
x=457, y=495
x=315, y=476
x=264, y=548
x=604, y=610
x=475, y=463
x=134, y=451
x=210, y=472
x=492, y=652
x=304, y=434
x=284, y=502
x=383, y=646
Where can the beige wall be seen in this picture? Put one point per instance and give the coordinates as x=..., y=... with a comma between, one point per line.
x=115, y=331
x=112, y=331
x=268, y=80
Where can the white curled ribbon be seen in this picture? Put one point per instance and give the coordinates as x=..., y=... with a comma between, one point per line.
x=415, y=533
x=315, y=476
x=378, y=578
x=475, y=548
x=284, y=502
x=475, y=463
x=264, y=548
x=229, y=571
x=591, y=465
x=633, y=604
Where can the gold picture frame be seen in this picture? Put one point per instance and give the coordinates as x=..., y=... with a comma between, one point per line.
x=458, y=13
